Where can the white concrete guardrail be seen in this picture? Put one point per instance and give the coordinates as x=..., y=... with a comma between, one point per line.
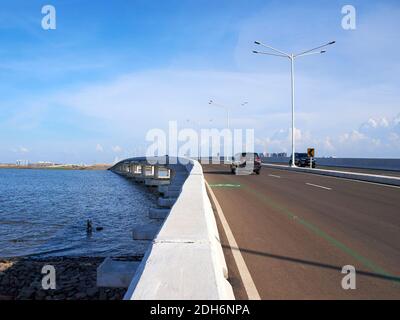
x=185, y=260
x=341, y=174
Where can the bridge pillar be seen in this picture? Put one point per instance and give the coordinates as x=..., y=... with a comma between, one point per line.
x=147, y=171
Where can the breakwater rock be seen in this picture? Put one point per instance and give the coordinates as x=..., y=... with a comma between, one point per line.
x=21, y=279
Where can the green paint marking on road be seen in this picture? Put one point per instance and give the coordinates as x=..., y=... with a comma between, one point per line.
x=224, y=185
x=367, y=263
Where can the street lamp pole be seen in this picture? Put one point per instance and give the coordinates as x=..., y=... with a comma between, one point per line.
x=293, y=132
x=198, y=130
x=227, y=109
x=197, y=124
x=292, y=58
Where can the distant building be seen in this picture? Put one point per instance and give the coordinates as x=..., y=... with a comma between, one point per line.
x=46, y=163
x=275, y=155
x=22, y=162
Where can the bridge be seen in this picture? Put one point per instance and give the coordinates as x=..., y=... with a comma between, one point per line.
x=284, y=234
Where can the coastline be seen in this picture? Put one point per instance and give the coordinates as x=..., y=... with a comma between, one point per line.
x=57, y=167
x=21, y=279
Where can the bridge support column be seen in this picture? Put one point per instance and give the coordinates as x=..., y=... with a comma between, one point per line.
x=145, y=232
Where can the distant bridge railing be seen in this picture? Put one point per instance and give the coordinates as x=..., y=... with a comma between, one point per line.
x=143, y=170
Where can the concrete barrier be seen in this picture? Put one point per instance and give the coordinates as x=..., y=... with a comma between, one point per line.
x=342, y=174
x=185, y=260
x=116, y=274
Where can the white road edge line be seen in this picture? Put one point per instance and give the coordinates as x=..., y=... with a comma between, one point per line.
x=316, y=185
x=360, y=181
x=275, y=176
x=345, y=179
x=244, y=272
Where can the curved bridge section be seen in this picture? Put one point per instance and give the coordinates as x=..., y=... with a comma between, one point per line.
x=185, y=259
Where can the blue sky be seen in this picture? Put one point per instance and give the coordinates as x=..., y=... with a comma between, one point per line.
x=112, y=70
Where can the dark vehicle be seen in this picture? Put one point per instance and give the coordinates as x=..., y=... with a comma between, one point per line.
x=302, y=160
x=246, y=159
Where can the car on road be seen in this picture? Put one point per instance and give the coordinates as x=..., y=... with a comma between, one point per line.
x=302, y=160
x=246, y=160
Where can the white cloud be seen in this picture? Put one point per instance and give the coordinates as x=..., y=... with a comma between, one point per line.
x=132, y=104
x=127, y=107
x=116, y=149
x=99, y=148
x=20, y=150
x=377, y=137
x=333, y=91
x=352, y=137
x=116, y=159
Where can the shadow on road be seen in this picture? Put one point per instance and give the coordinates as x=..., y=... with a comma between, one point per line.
x=219, y=172
x=313, y=263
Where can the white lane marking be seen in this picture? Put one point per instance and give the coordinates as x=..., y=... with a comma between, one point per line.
x=340, y=178
x=244, y=272
x=275, y=176
x=369, y=182
x=318, y=186
x=352, y=180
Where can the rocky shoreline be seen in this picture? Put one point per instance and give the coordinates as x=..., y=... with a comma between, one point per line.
x=21, y=279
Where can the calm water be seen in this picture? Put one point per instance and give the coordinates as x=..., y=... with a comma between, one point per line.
x=44, y=213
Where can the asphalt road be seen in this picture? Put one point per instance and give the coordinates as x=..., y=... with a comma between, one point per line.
x=296, y=231
x=368, y=171
x=390, y=173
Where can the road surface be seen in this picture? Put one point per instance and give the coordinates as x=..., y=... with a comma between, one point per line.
x=390, y=173
x=296, y=231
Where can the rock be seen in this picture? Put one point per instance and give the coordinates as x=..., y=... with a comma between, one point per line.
x=68, y=287
x=40, y=295
x=80, y=296
x=5, y=282
x=26, y=293
x=103, y=294
x=59, y=296
x=76, y=279
x=91, y=292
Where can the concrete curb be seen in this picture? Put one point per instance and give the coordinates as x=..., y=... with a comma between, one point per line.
x=116, y=274
x=185, y=260
x=341, y=174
